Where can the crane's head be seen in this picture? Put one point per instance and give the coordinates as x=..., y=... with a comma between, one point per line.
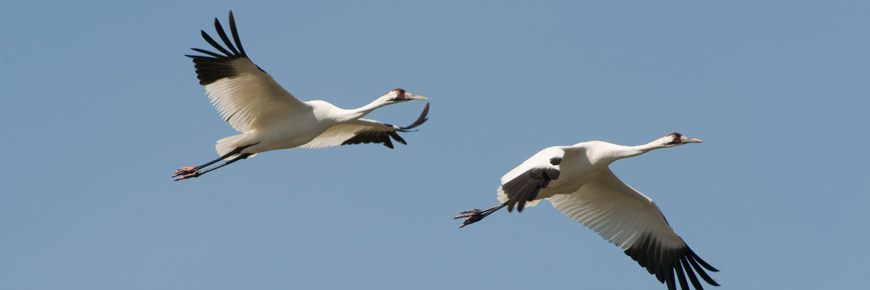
x=676, y=139
x=400, y=95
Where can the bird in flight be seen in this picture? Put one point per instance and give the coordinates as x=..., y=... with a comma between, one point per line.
x=577, y=181
x=270, y=118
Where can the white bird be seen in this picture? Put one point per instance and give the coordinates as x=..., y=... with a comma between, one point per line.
x=270, y=118
x=577, y=181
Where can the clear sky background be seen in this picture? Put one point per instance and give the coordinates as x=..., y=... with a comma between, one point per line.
x=100, y=107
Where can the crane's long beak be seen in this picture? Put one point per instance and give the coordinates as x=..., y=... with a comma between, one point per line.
x=685, y=139
x=415, y=97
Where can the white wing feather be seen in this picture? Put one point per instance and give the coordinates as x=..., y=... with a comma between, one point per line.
x=617, y=212
x=251, y=98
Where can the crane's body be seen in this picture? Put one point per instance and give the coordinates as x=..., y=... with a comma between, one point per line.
x=580, y=163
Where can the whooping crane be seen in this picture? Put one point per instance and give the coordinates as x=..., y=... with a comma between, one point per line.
x=270, y=118
x=577, y=181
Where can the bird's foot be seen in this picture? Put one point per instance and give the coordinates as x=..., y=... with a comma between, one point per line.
x=189, y=175
x=472, y=216
x=186, y=172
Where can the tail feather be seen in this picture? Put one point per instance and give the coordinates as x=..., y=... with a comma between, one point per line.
x=228, y=144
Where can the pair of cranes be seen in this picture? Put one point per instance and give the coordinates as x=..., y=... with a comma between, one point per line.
x=576, y=179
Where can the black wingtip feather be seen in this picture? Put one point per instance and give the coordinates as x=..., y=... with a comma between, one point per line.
x=669, y=278
x=203, y=51
x=691, y=274
x=235, y=33
x=701, y=272
x=223, y=36
x=665, y=263
x=384, y=136
x=422, y=119
x=214, y=43
x=396, y=137
x=701, y=261
x=213, y=66
x=680, y=275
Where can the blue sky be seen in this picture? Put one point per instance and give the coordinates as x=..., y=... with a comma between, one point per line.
x=101, y=107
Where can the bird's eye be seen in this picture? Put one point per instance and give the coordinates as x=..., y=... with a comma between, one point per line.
x=400, y=94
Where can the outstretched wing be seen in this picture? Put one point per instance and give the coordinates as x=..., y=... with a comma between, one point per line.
x=632, y=221
x=522, y=184
x=245, y=95
x=363, y=131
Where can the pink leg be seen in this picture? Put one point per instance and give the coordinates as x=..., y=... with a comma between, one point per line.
x=191, y=171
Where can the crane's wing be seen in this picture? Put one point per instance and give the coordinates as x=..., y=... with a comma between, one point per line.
x=521, y=185
x=632, y=221
x=245, y=95
x=363, y=131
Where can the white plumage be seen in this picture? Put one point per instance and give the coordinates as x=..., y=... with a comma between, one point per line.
x=270, y=118
x=577, y=181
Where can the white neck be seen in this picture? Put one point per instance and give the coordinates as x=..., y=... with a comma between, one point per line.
x=611, y=152
x=632, y=151
x=354, y=114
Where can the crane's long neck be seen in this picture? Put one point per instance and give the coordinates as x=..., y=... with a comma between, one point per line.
x=632, y=151
x=619, y=151
x=354, y=114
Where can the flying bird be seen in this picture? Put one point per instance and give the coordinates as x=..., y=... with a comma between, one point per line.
x=270, y=118
x=577, y=181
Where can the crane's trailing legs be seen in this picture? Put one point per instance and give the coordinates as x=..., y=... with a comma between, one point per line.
x=476, y=215
x=193, y=172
